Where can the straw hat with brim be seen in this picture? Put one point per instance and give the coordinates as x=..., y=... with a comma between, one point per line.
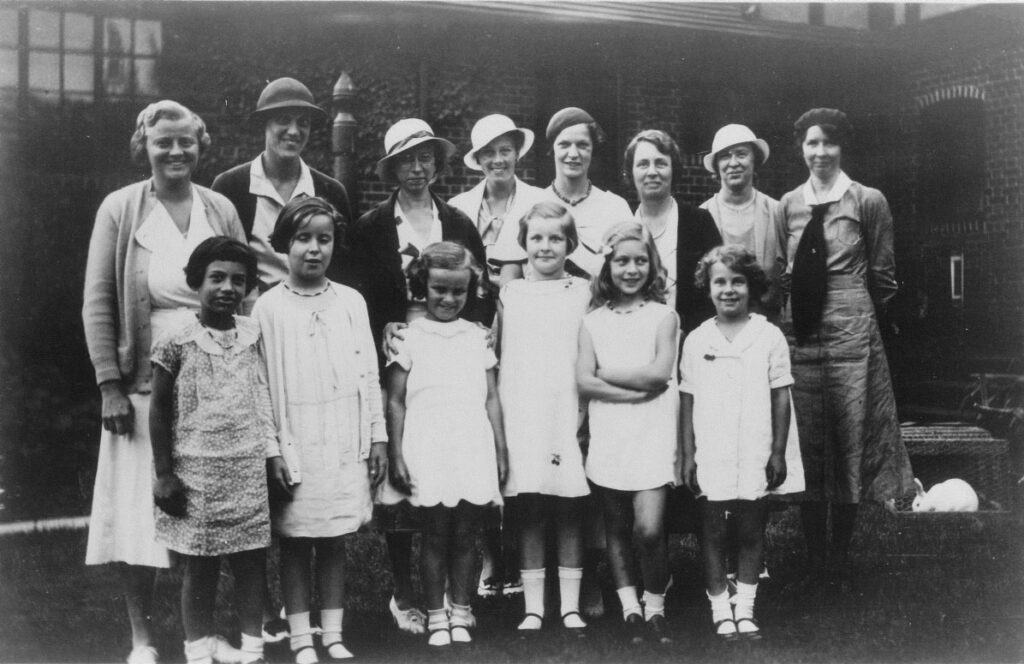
x=730, y=135
x=285, y=93
x=407, y=134
x=489, y=128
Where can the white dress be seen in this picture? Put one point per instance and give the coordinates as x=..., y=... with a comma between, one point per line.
x=313, y=354
x=448, y=443
x=121, y=526
x=632, y=445
x=731, y=384
x=537, y=383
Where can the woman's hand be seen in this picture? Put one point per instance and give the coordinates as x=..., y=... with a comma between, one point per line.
x=118, y=413
x=393, y=333
x=689, y=473
x=279, y=480
x=775, y=471
x=378, y=462
x=169, y=494
x=400, y=474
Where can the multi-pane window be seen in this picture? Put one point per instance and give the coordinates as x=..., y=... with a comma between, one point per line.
x=76, y=56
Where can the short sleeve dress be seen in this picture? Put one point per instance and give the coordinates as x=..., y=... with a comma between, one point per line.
x=632, y=445
x=731, y=384
x=221, y=431
x=448, y=443
x=537, y=383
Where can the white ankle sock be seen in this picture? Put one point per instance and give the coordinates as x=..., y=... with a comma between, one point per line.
x=252, y=648
x=629, y=601
x=199, y=651
x=744, y=600
x=721, y=609
x=569, y=579
x=533, y=590
x=437, y=619
x=301, y=634
x=330, y=624
x=654, y=604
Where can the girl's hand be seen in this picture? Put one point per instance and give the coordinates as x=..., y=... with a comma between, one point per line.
x=650, y=395
x=169, y=494
x=118, y=413
x=689, y=473
x=279, y=480
x=502, y=467
x=775, y=471
x=400, y=474
x=393, y=333
x=492, y=335
x=378, y=462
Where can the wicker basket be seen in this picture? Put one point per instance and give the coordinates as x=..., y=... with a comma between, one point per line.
x=940, y=452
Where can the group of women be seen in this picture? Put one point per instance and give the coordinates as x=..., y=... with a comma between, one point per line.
x=827, y=247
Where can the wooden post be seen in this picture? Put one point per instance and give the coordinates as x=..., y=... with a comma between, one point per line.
x=343, y=138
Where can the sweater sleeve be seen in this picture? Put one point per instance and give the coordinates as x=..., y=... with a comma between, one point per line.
x=100, y=312
x=878, y=235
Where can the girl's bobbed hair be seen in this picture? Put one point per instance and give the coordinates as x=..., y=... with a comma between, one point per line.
x=441, y=256
x=221, y=248
x=832, y=121
x=294, y=216
x=737, y=258
x=550, y=210
x=165, y=109
x=603, y=291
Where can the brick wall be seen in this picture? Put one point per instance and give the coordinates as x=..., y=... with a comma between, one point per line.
x=991, y=318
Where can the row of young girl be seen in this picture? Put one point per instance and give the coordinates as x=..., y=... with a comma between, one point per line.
x=296, y=388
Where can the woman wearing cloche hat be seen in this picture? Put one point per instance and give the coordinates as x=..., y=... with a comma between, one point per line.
x=260, y=188
x=742, y=213
x=498, y=201
x=383, y=243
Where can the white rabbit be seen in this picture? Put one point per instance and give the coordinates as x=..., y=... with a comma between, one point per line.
x=953, y=495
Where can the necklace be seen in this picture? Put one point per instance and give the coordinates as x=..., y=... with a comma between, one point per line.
x=638, y=307
x=323, y=290
x=569, y=202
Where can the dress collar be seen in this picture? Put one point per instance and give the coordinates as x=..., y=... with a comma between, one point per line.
x=839, y=188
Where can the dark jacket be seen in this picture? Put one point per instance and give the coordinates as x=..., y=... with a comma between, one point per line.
x=373, y=267
x=698, y=235
x=234, y=184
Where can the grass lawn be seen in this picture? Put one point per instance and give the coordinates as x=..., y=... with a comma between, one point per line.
x=946, y=588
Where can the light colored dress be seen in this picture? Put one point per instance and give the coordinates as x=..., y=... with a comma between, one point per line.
x=221, y=432
x=121, y=526
x=322, y=370
x=593, y=216
x=633, y=446
x=731, y=384
x=537, y=383
x=845, y=407
x=448, y=443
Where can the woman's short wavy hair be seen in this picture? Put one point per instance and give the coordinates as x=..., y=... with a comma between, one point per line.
x=737, y=258
x=221, y=248
x=832, y=121
x=664, y=144
x=441, y=256
x=165, y=109
x=603, y=291
x=294, y=216
x=550, y=210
